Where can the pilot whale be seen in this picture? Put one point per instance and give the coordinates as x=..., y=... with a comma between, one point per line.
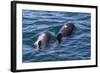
x=43, y=40
x=65, y=31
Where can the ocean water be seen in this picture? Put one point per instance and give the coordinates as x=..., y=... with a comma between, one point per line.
x=75, y=47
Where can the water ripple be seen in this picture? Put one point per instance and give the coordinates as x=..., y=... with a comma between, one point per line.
x=75, y=47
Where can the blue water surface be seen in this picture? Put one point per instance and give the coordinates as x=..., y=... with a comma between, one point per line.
x=75, y=47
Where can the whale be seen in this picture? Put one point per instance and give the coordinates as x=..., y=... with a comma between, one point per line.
x=42, y=40
x=65, y=31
